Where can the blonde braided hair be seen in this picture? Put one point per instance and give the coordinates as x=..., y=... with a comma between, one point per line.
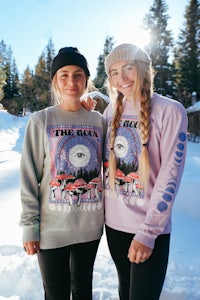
x=115, y=124
x=142, y=92
x=145, y=109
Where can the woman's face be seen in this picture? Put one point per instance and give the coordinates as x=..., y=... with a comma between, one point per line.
x=71, y=82
x=123, y=76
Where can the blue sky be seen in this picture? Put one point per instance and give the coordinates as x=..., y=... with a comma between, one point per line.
x=27, y=25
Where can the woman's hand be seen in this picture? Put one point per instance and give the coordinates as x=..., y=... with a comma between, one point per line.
x=31, y=247
x=88, y=102
x=138, y=252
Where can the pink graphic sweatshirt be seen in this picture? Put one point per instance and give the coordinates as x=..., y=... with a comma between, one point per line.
x=148, y=214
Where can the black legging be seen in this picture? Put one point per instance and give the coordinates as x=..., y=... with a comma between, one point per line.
x=68, y=269
x=143, y=281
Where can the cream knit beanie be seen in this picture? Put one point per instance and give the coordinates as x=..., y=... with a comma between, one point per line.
x=126, y=52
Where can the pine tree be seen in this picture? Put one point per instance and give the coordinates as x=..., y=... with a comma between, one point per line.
x=41, y=85
x=187, y=54
x=10, y=93
x=27, y=91
x=2, y=68
x=160, y=45
x=41, y=78
x=11, y=89
x=50, y=53
x=2, y=78
x=100, y=79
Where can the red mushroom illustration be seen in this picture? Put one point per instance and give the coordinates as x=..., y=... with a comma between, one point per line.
x=61, y=176
x=96, y=181
x=64, y=178
x=80, y=185
x=120, y=177
x=138, y=188
x=89, y=188
x=134, y=176
x=68, y=177
x=54, y=186
x=70, y=189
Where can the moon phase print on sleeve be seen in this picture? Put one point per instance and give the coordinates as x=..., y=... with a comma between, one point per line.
x=171, y=187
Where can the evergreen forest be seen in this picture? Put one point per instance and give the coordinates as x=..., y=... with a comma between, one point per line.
x=176, y=64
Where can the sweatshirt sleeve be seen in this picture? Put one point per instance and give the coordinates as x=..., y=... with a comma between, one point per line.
x=31, y=169
x=173, y=139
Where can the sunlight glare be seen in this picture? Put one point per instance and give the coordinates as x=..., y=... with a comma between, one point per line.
x=137, y=35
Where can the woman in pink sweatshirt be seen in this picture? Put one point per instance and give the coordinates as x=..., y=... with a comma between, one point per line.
x=143, y=164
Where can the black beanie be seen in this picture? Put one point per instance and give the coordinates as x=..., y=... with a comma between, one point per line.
x=69, y=56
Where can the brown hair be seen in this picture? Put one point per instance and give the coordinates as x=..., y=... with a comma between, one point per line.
x=142, y=92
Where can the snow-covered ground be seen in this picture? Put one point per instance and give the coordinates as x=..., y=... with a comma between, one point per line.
x=19, y=274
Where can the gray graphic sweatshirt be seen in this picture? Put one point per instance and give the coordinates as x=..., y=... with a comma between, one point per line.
x=61, y=183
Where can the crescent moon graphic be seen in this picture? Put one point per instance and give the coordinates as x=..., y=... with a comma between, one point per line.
x=81, y=207
x=99, y=205
x=140, y=202
x=52, y=206
x=170, y=189
x=132, y=201
x=179, y=154
x=68, y=208
x=173, y=179
x=172, y=183
x=178, y=166
x=167, y=197
x=177, y=160
x=64, y=207
x=94, y=206
x=59, y=207
x=85, y=206
x=89, y=207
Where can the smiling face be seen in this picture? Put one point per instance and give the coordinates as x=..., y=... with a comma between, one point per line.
x=71, y=83
x=123, y=75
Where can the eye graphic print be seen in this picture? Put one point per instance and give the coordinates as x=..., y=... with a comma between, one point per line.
x=121, y=146
x=79, y=156
x=127, y=145
x=77, y=152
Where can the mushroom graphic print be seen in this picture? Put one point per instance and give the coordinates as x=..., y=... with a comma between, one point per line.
x=127, y=149
x=76, y=163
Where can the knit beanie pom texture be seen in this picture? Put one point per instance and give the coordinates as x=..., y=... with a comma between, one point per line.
x=126, y=52
x=69, y=56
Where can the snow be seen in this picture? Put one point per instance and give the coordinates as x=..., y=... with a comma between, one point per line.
x=194, y=108
x=19, y=274
x=97, y=95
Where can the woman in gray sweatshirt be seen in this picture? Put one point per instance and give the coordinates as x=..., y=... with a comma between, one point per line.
x=61, y=184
